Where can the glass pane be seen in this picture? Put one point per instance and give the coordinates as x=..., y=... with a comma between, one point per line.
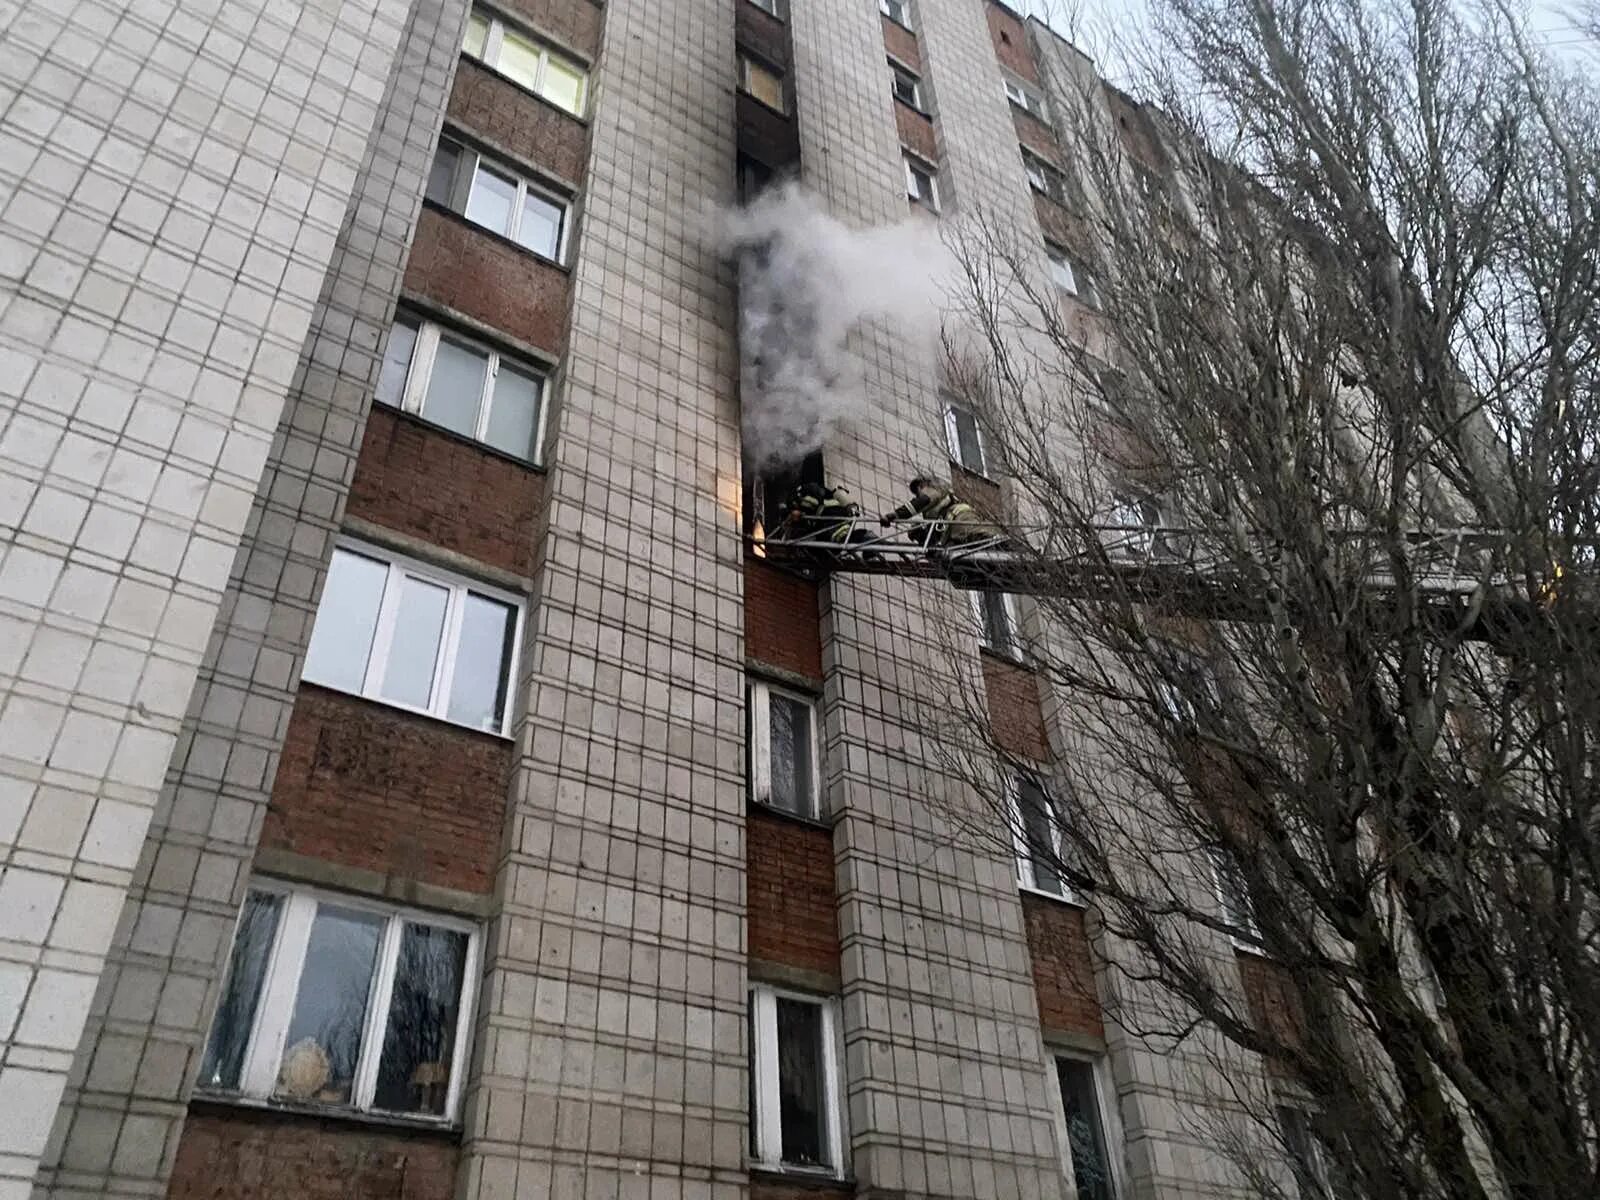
x=800, y=1083
x=347, y=618
x=1038, y=828
x=323, y=1047
x=455, y=389
x=563, y=85
x=414, y=650
x=483, y=660
x=492, y=200
x=519, y=60
x=766, y=86
x=540, y=227
x=1086, y=1140
x=247, y=970
x=443, y=172
x=996, y=622
x=1061, y=272
x=420, y=1040
x=477, y=34
x=792, y=785
x=396, y=363
x=967, y=440
x=514, y=413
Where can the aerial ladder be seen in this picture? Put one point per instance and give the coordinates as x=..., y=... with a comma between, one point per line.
x=1144, y=563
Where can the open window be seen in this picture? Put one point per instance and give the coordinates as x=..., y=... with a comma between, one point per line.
x=999, y=626
x=1233, y=898
x=1090, y=1149
x=964, y=439
x=1036, y=828
x=922, y=182
x=765, y=491
x=796, y=1119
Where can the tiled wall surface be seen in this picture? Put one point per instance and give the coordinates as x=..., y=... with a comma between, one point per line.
x=611, y=1026
x=173, y=177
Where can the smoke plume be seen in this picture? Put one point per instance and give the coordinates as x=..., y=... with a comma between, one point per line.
x=805, y=281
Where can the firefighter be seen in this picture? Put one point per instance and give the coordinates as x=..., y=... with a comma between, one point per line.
x=945, y=521
x=819, y=512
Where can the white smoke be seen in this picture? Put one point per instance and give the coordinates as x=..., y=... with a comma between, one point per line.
x=805, y=281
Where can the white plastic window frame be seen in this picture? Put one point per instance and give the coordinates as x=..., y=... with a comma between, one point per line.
x=280, y=985
x=479, y=163
x=952, y=435
x=1079, y=283
x=494, y=39
x=1013, y=625
x=759, y=692
x=459, y=587
x=747, y=63
x=899, y=71
x=903, y=18
x=1110, y=1121
x=773, y=8
x=1027, y=877
x=1234, y=904
x=1025, y=97
x=915, y=167
x=766, y=1120
x=420, y=371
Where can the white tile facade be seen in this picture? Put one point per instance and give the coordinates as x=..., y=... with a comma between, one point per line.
x=173, y=174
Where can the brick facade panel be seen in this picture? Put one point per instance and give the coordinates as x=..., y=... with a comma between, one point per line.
x=902, y=43
x=983, y=494
x=1037, y=136
x=1057, y=223
x=376, y=788
x=790, y=893
x=485, y=102
x=768, y=136
x=783, y=1189
x=1063, y=970
x=250, y=1155
x=916, y=132
x=781, y=625
x=488, y=278
x=575, y=22
x=1016, y=716
x=422, y=481
x=1270, y=993
x=1011, y=46
x=762, y=34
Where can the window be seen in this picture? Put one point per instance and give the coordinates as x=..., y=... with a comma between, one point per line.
x=768, y=6
x=783, y=749
x=1135, y=518
x=342, y=1002
x=1233, y=895
x=1029, y=99
x=1318, y=1169
x=1183, y=677
x=922, y=183
x=1072, y=277
x=898, y=11
x=964, y=438
x=526, y=62
x=407, y=635
x=498, y=199
x=1093, y=1172
x=1044, y=176
x=794, y=1083
x=997, y=622
x=752, y=179
x=463, y=387
x=907, y=87
x=1037, y=833
x=761, y=81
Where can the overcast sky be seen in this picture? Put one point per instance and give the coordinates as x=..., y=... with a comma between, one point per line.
x=1095, y=26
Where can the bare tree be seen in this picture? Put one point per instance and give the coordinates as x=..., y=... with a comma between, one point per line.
x=1343, y=406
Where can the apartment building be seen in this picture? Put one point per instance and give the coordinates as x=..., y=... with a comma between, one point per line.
x=412, y=786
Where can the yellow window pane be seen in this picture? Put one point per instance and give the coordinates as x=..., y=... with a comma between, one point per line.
x=563, y=85
x=764, y=85
x=519, y=60
x=477, y=34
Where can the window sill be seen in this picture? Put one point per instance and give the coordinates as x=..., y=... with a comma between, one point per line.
x=910, y=107
x=456, y=435
x=226, y=1101
x=1016, y=659
x=391, y=706
x=779, y=112
x=784, y=814
x=820, y=1178
x=1067, y=901
x=529, y=92
x=445, y=210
